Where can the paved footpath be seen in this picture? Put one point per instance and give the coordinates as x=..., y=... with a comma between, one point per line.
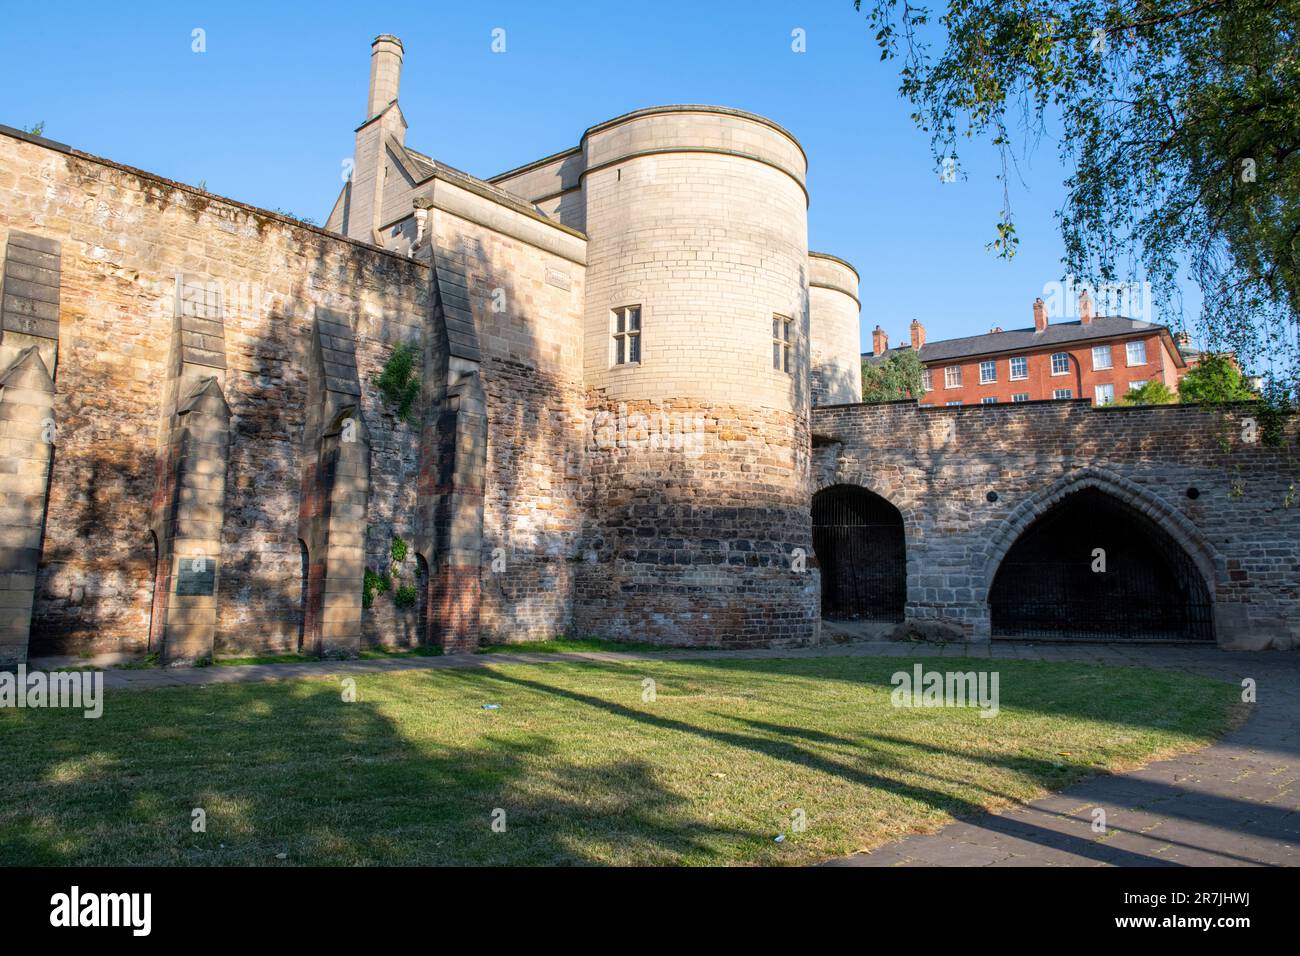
x=1233, y=803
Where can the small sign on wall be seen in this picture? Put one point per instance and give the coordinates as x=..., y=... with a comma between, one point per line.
x=198, y=576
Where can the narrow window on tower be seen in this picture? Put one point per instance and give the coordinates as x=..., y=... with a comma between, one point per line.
x=782, y=343
x=625, y=327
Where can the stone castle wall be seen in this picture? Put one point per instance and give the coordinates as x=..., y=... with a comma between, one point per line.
x=939, y=465
x=125, y=237
x=697, y=516
x=527, y=305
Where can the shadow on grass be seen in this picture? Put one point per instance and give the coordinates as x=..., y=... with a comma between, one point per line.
x=336, y=783
x=291, y=769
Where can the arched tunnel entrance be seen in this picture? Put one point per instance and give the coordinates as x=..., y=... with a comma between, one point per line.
x=858, y=539
x=1093, y=568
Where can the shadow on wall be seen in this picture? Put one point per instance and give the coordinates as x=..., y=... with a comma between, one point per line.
x=537, y=428
x=830, y=381
x=96, y=587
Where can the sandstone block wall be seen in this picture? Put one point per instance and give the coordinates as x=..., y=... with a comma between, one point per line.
x=939, y=465
x=697, y=521
x=526, y=303
x=125, y=236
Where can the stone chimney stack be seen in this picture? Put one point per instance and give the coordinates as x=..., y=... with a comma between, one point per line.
x=918, y=335
x=1184, y=338
x=364, y=202
x=1040, y=315
x=1085, y=307
x=385, y=72
x=879, y=341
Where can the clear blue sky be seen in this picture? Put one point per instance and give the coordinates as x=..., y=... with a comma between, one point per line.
x=266, y=115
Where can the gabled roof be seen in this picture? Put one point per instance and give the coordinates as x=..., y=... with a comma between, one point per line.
x=1027, y=339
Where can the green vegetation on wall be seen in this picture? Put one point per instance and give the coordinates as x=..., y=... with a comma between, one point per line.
x=398, y=382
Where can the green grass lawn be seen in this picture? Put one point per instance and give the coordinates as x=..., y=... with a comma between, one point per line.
x=569, y=645
x=711, y=771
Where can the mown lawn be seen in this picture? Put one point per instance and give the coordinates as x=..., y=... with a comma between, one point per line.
x=568, y=645
x=587, y=771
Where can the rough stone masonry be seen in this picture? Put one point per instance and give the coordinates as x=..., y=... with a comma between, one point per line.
x=630, y=375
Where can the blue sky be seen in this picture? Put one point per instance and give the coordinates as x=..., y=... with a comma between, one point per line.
x=266, y=115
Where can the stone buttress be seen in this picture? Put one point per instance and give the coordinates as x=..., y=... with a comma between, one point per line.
x=453, y=452
x=29, y=343
x=335, y=491
x=188, y=511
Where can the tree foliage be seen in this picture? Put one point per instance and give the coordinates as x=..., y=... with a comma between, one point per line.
x=1154, y=392
x=1215, y=378
x=896, y=377
x=1179, y=121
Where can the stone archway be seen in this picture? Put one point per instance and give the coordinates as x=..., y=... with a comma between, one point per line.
x=860, y=544
x=1088, y=563
x=1170, y=520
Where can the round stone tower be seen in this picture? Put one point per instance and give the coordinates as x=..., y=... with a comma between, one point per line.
x=836, y=344
x=697, y=367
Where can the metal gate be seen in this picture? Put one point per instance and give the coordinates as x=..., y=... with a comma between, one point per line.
x=858, y=539
x=1094, y=569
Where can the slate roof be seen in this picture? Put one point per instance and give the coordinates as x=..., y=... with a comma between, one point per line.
x=1024, y=340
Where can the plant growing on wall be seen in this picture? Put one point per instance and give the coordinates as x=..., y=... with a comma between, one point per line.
x=404, y=595
x=398, y=382
x=373, y=583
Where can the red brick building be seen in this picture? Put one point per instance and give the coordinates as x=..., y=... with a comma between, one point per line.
x=1094, y=357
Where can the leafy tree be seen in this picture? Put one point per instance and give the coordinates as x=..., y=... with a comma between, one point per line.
x=1154, y=392
x=1178, y=119
x=1215, y=378
x=896, y=377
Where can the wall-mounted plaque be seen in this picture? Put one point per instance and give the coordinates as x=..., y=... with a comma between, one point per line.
x=196, y=577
